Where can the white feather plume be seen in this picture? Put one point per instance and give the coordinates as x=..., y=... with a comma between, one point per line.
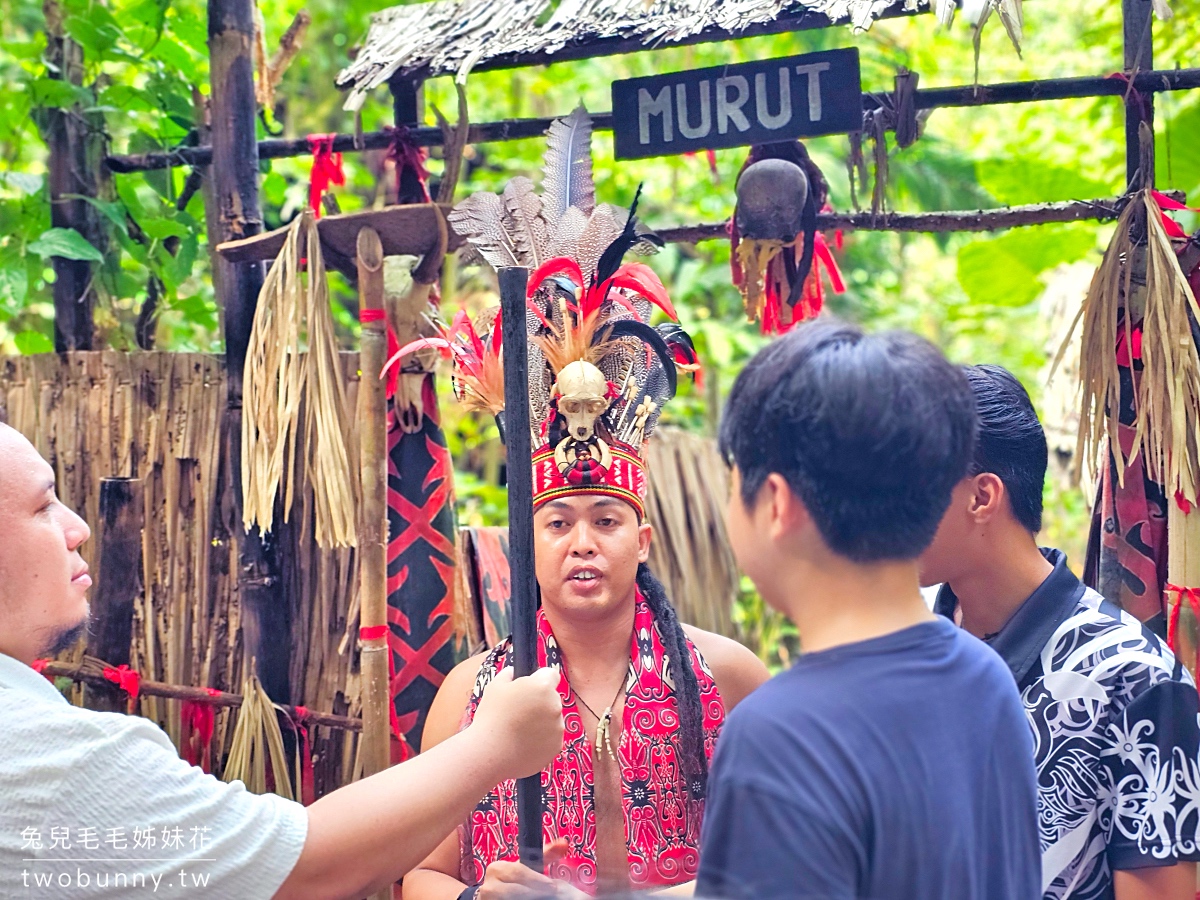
x=567, y=167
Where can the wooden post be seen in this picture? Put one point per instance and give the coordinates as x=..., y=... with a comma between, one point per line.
x=372, y=525
x=1139, y=57
x=265, y=617
x=118, y=583
x=373, y=513
x=514, y=282
x=77, y=147
x=407, y=100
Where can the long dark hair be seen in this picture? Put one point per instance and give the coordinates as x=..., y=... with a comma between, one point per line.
x=692, y=757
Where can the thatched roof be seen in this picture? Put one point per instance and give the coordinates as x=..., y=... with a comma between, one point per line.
x=455, y=36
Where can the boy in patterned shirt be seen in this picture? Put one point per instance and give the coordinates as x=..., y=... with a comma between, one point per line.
x=1113, y=713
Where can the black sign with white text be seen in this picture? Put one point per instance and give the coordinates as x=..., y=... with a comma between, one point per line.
x=734, y=106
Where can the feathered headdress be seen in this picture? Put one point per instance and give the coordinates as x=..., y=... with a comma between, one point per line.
x=599, y=374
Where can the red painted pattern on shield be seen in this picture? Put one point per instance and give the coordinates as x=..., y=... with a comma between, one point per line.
x=420, y=566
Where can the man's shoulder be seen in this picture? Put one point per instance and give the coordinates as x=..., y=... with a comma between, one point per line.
x=1108, y=646
x=68, y=728
x=735, y=669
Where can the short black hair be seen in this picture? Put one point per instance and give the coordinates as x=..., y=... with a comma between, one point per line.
x=871, y=432
x=1011, y=443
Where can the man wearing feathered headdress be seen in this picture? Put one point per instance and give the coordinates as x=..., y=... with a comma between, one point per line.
x=623, y=800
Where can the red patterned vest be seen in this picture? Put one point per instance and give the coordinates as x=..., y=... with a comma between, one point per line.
x=662, y=818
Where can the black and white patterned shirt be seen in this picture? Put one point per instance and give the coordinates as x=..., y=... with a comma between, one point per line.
x=1116, y=728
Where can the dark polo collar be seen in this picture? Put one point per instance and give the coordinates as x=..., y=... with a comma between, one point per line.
x=1022, y=638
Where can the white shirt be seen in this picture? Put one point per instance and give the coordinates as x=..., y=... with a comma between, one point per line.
x=99, y=805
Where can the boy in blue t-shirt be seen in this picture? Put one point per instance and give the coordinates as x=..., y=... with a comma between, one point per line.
x=893, y=759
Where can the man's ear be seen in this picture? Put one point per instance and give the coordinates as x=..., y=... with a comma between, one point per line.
x=645, y=534
x=785, y=512
x=988, y=497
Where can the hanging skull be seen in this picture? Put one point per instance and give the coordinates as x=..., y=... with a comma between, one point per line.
x=771, y=196
x=583, y=397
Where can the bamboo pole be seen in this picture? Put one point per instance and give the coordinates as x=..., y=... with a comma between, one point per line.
x=372, y=528
x=373, y=525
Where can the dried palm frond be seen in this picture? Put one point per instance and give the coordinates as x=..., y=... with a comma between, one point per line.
x=280, y=380
x=690, y=552
x=257, y=739
x=1167, y=392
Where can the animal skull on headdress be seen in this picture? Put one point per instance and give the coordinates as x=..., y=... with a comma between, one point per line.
x=583, y=397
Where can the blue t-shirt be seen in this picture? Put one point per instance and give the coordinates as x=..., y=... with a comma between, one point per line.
x=899, y=767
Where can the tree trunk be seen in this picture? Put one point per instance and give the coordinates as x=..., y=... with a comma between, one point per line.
x=78, y=146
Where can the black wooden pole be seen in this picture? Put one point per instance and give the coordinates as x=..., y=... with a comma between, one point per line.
x=514, y=282
x=1139, y=106
x=235, y=188
x=118, y=584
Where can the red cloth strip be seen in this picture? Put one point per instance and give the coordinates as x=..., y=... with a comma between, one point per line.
x=393, y=347
x=1192, y=595
x=326, y=169
x=371, y=633
x=125, y=678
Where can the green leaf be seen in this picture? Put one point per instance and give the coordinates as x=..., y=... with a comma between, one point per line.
x=30, y=342
x=175, y=56
x=14, y=281
x=1019, y=180
x=97, y=37
x=1178, y=159
x=1004, y=271
x=163, y=228
x=185, y=258
x=52, y=93
x=66, y=243
x=24, y=182
x=113, y=210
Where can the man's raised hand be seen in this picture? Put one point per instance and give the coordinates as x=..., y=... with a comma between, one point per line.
x=524, y=718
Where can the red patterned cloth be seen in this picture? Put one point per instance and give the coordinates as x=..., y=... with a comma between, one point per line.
x=662, y=817
x=624, y=478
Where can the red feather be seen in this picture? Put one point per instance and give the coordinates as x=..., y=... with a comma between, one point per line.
x=444, y=347
x=551, y=267
x=641, y=278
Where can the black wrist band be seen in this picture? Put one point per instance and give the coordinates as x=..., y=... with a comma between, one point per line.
x=469, y=893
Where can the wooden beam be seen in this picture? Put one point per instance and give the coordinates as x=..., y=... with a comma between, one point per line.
x=118, y=583
x=265, y=615
x=82, y=674
x=518, y=129
x=932, y=222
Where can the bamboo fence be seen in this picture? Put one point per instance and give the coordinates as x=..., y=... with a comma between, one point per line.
x=157, y=417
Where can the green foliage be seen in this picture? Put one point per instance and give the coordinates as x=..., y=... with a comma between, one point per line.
x=65, y=242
